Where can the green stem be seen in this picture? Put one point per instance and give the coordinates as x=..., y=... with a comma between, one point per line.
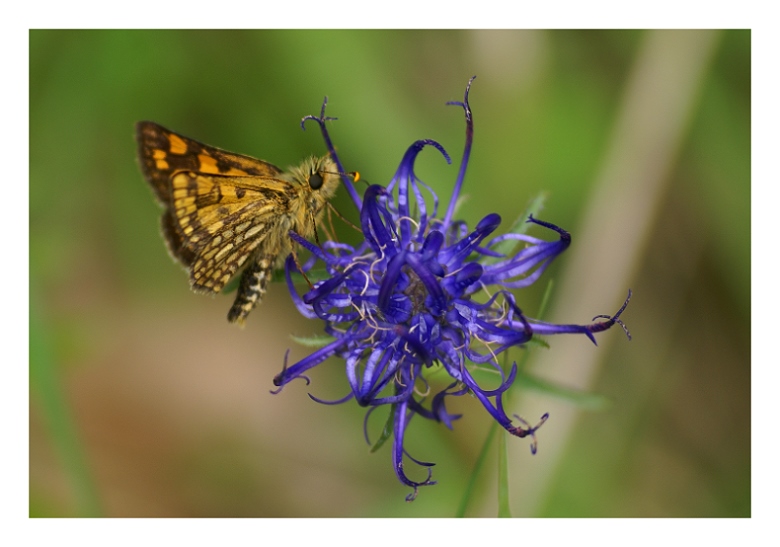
x=503, y=479
x=464, y=502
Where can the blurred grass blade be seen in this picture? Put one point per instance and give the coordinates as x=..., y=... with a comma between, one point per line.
x=464, y=502
x=46, y=387
x=660, y=98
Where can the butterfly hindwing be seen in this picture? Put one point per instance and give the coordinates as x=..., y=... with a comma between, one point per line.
x=223, y=220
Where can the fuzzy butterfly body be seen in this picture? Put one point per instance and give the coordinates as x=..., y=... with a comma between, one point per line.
x=225, y=211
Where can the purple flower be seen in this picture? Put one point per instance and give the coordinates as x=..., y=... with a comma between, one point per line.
x=424, y=292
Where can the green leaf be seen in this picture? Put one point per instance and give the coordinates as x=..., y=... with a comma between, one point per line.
x=387, y=431
x=538, y=341
x=314, y=275
x=231, y=285
x=520, y=226
x=462, y=199
x=545, y=299
x=313, y=341
x=589, y=401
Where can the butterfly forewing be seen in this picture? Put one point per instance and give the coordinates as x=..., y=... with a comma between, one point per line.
x=163, y=153
x=225, y=211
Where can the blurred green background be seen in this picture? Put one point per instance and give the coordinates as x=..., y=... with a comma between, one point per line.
x=145, y=401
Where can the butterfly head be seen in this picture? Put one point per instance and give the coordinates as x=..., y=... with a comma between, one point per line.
x=320, y=176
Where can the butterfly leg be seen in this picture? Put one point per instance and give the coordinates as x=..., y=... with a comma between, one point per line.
x=300, y=269
x=254, y=282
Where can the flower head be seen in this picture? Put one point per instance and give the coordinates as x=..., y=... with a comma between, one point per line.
x=422, y=292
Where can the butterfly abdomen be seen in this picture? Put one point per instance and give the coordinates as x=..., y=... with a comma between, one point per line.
x=254, y=283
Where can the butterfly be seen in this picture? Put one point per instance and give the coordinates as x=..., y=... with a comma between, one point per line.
x=224, y=211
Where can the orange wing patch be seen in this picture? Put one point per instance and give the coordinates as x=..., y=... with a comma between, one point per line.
x=162, y=153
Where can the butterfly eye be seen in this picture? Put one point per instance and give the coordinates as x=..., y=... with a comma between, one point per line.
x=315, y=181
